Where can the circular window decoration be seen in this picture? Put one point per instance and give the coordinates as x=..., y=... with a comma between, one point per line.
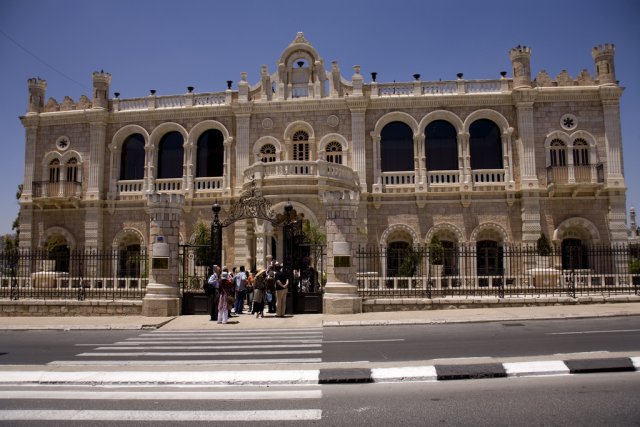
x=62, y=143
x=569, y=122
x=267, y=123
x=333, y=121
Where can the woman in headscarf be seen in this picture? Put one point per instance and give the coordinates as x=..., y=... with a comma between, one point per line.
x=227, y=291
x=258, y=293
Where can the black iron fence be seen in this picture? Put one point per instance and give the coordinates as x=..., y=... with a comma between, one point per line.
x=489, y=269
x=73, y=274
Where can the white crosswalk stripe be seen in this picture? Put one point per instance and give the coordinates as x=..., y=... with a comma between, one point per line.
x=171, y=347
x=134, y=404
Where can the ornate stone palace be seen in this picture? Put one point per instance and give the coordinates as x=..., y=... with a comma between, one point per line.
x=500, y=160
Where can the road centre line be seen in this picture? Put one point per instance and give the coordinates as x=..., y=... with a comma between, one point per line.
x=613, y=331
x=162, y=395
x=175, y=416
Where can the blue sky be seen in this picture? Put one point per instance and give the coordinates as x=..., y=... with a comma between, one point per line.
x=169, y=45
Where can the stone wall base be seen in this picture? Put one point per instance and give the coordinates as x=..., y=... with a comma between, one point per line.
x=341, y=298
x=416, y=304
x=161, y=307
x=39, y=308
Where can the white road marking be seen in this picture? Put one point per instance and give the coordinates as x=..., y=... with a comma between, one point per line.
x=201, y=353
x=176, y=341
x=549, y=367
x=175, y=416
x=357, y=341
x=411, y=373
x=636, y=362
x=162, y=395
x=205, y=347
x=613, y=331
x=179, y=362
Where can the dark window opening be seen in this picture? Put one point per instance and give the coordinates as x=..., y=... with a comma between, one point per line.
x=441, y=145
x=396, y=148
x=170, y=156
x=485, y=145
x=210, y=156
x=489, y=258
x=132, y=158
x=574, y=255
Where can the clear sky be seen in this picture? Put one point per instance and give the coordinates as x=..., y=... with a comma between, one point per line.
x=169, y=45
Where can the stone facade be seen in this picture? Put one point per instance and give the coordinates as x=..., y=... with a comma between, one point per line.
x=304, y=133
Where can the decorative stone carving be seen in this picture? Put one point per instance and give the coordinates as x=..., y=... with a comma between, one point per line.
x=543, y=79
x=83, y=103
x=52, y=105
x=569, y=122
x=333, y=121
x=267, y=123
x=62, y=143
x=564, y=79
x=584, y=79
x=67, y=104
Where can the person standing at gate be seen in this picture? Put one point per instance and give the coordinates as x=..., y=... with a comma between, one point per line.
x=227, y=291
x=240, y=280
x=282, y=283
x=214, y=280
x=259, y=288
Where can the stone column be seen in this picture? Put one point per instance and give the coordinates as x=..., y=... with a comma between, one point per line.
x=163, y=294
x=97, y=122
x=30, y=123
x=243, y=120
x=341, y=292
x=524, y=99
x=358, y=109
x=610, y=96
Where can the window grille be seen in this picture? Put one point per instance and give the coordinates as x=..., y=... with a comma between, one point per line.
x=558, y=153
x=54, y=170
x=580, y=152
x=268, y=153
x=333, y=152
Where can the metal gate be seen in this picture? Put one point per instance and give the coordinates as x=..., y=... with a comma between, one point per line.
x=194, y=261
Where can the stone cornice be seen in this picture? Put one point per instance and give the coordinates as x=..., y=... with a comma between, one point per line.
x=572, y=94
x=479, y=100
x=30, y=120
x=171, y=114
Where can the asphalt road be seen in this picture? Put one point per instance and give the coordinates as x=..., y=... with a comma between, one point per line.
x=349, y=344
x=584, y=400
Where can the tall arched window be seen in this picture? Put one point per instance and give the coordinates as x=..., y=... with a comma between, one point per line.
x=210, y=154
x=488, y=258
x=396, y=147
x=575, y=255
x=580, y=152
x=268, y=153
x=72, y=170
x=396, y=253
x=333, y=152
x=557, y=153
x=132, y=158
x=170, y=155
x=485, y=145
x=300, y=146
x=441, y=146
x=54, y=170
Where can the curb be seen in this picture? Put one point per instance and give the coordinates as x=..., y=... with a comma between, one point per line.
x=430, y=373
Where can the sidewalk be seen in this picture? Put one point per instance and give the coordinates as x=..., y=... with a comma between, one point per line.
x=246, y=321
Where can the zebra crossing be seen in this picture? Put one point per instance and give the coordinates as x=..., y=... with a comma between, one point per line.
x=198, y=347
x=124, y=405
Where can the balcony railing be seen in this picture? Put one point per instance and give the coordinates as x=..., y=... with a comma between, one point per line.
x=404, y=178
x=168, y=185
x=582, y=174
x=60, y=189
x=133, y=186
x=487, y=176
x=309, y=169
x=208, y=184
x=443, y=178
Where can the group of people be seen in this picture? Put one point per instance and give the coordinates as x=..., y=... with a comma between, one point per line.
x=228, y=291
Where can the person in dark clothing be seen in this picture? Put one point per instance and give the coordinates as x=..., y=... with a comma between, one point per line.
x=214, y=279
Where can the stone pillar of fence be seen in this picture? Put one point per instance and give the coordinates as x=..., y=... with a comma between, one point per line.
x=341, y=291
x=163, y=293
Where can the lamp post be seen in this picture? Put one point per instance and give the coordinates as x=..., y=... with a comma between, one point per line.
x=216, y=236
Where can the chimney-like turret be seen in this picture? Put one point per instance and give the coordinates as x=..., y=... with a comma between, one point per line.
x=603, y=57
x=521, y=61
x=37, y=89
x=101, y=82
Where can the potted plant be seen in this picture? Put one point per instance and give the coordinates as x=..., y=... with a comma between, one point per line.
x=543, y=249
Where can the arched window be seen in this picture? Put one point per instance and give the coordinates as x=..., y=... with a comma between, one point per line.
x=333, y=152
x=72, y=170
x=132, y=158
x=396, y=147
x=488, y=258
x=580, y=152
x=396, y=253
x=210, y=154
x=557, y=153
x=485, y=145
x=129, y=260
x=300, y=146
x=170, y=156
x=441, y=146
x=54, y=170
x=268, y=153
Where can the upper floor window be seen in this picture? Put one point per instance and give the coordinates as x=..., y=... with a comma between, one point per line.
x=333, y=152
x=210, y=155
x=132, y=158
x=170, y=155
x=485, y=145
x=441, y=145
x=580, y=152
x=268, y=153
x=72, y=170
x=396, y=147
x=557, y=153
x=301, y=146
x=54, y=170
